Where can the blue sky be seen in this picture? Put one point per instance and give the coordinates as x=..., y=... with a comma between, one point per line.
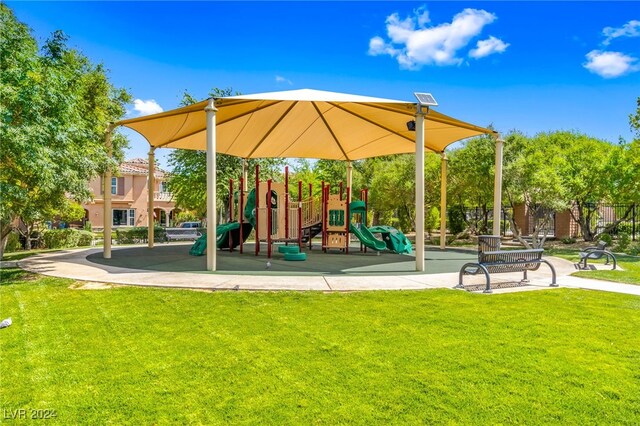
x=531, y=66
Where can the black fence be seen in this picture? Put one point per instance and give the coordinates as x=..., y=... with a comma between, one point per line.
x=604, y=217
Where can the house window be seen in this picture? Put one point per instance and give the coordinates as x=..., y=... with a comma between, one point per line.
x=163, y=187
x=114, y=185
x=124, y=217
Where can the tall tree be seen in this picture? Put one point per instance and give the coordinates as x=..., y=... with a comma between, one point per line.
x=188, y=180
x=55, y=106
x=532, y=175
x=471, y=179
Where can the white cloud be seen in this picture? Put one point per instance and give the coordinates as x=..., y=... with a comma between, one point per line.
x=146, y=107
x=610, y=64
x=280, y=79
x=413, y=44
x=630, y=29
x=488, y=47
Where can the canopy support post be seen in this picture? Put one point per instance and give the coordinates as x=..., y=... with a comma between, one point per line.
x=497, y=186
x=211, y=110
x=106, y=181
x=151, y=184
x=245, y=174
x=420, y=189
x=443, y=201
x=349, y=181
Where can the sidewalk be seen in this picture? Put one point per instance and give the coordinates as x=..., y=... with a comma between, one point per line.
x=74, y=264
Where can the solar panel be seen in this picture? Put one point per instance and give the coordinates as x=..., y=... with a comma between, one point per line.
x=426, y=99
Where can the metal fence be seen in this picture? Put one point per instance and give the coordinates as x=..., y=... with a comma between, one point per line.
x=605, y=214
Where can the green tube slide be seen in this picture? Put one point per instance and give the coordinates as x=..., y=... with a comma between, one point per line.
x=367, y=238
x=224, y=233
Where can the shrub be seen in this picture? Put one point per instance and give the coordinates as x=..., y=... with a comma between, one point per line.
x=61, y=238
x=88, y=226
x=624, y=227
x=433, y=220
x=606, y=238
x=634, y=249
x=456, y=220
x=568, y=240
x=13, y=243
x=85, y=238
x=138, y=235
x=623, y=242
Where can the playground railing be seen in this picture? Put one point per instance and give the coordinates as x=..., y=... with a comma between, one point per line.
x=293, y=222
x=311, y=212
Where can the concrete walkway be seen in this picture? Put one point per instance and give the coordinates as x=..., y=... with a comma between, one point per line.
x=74, y=264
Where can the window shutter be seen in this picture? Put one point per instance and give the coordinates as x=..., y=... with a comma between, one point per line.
x=121, y=186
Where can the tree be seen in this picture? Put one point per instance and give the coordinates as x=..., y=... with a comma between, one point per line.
x=188, y=181
x=532, y=176
x=55, y=107
x=634, y=120
x=471, y=179
x=392, y=190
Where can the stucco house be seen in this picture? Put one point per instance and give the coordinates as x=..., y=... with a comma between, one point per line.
x=130, y=197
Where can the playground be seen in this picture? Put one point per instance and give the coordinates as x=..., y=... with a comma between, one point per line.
x=176, y=258
x=287, y=224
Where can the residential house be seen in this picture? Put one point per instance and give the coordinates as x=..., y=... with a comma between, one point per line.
x=129, y=197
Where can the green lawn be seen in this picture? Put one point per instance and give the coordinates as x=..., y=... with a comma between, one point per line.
x=153, y=356
x=630, y=264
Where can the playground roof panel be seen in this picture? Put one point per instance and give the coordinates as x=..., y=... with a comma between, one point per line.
x=303, y=124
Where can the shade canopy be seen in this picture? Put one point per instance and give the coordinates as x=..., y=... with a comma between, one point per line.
x=302, y=124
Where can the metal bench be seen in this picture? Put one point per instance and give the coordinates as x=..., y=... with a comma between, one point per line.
x=174, y=234
x=492, y=260
x=596, y=252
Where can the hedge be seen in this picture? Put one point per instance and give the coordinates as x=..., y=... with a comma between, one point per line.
x=65, y=238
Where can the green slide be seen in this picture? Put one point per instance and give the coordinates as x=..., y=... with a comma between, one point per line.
x=367, y=238
x=249, y=213
x=395, y=240
x=223, y=232
x=363, y=234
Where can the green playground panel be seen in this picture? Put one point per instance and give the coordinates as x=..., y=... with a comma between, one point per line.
x=336, y=217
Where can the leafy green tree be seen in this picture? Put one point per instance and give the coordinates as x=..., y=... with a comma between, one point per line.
x=392, y=192
x=55, y=106
x=471, y=175
x=594, y=171
x=188, y=181
x=634, y=120
x=532, y=176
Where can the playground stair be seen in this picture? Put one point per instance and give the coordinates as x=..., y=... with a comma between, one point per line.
x=292, y=253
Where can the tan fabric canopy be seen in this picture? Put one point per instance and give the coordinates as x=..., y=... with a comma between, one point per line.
x=302, y=124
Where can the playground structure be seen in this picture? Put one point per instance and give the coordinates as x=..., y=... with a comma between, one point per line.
x=270, y=210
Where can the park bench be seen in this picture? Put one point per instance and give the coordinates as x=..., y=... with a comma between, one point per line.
x=596, y=252
x=492, y=260
x=174, y=234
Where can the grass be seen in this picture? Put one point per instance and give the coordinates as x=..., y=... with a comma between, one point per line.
x=153, y=356
x=19, y=255
x=630, y=264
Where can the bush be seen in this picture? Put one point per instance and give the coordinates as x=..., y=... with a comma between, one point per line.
x=61, y=238
x=433, y=220
x=88, y=226
x=569, y=240
x=634, y=249
x=85, y=238
x=626, y=227
x=623, y=242
x=139, y=234
x=13, y=243
x=456, y=220
x=607, y=239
